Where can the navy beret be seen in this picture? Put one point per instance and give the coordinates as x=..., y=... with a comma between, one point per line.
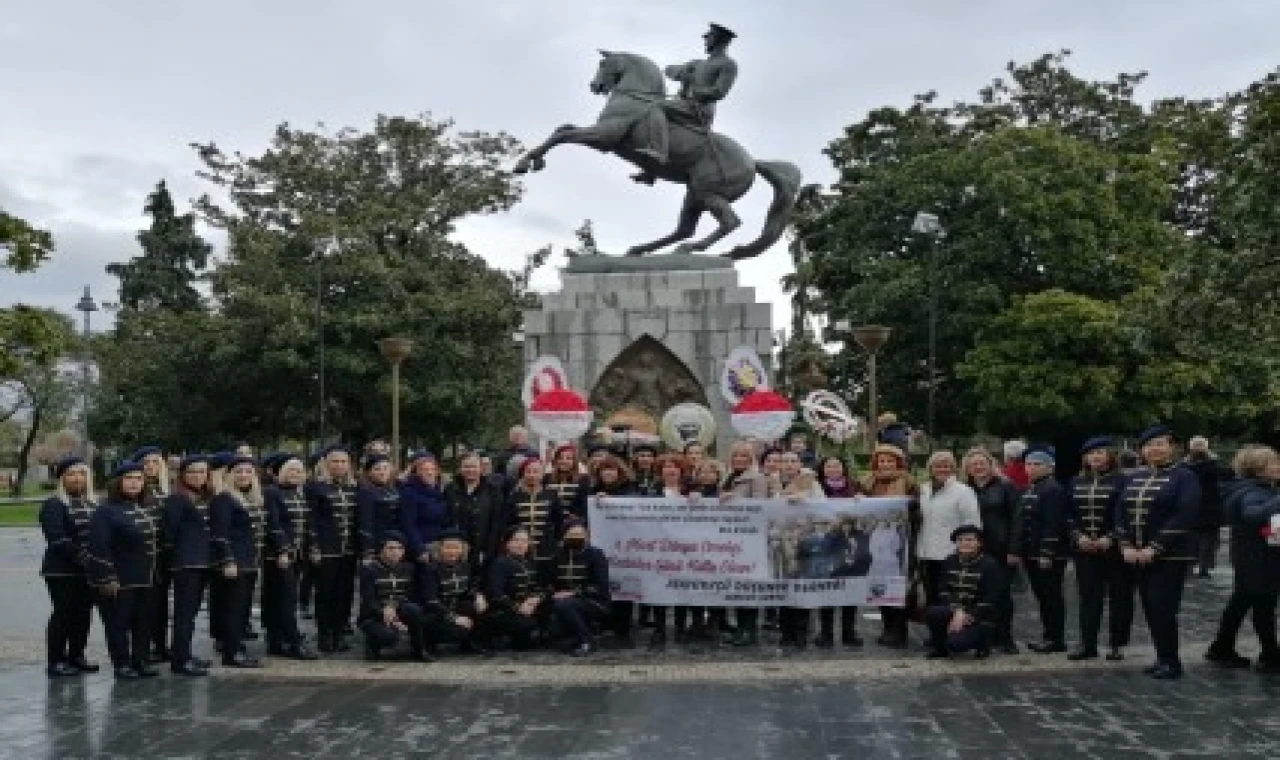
x=237, y=461
x=421, y=456
x=452, y=534
x=392, y=535
x=125, y=468
x=1041, y=452
x=64, y=464
x=192, y=460
x=220, y=459
x=1096, y=442
x=1155, y=431
x=144, y=452
x=965, y=530
x=375, y=459
x=334, y=449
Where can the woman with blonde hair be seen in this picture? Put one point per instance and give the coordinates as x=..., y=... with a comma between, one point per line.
x=155, y=473
x=64, y=520
x=998, y=504
x=745, y=481
x=1253, y=511
x=945, y=504
x=186, y=528
x=331, y=496
x=889, y=476
x=238, y=529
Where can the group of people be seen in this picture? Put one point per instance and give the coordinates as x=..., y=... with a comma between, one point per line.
x=499, y=555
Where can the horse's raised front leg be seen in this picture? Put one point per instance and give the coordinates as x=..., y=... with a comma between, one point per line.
x=690, y=212
x=598, y=136
x=728, y=221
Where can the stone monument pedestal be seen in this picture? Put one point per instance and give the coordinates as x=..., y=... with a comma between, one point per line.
x=649, y=339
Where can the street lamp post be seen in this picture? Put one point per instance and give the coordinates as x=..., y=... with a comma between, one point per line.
x=85, y=306
x=395, y=350
x=928, y=224
x=872, y=338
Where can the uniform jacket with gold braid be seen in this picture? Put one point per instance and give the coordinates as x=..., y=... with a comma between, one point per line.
x=66, y=531
x=541, y=514
x=383, y=585
x=509, y=582
x=289, y=510
x=239, y=532
x=572, y=493
x=1094, y=498
x=585, y=572
x=333, y=511
x=186, y=528
x=124, y=542
x=974, y=585
x=1043, y=531
x=447, y=590
x=377, y=512
x=1158, y=508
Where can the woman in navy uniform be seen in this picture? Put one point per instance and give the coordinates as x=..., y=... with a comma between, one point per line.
x=1158, y=509
x=387, y=606
x=967, y=610
x=537, y=508
x=124, y=540
x=64, y=520
x=1095, y=492
x=447, y=590
x=511, y=588
x=238, y=529
x=577, y=587
x=332, y=497
x=289, y=515
x=155, y=470
x=377, y=505
x=571, y=485
x=186, y=527
x=1041, y=544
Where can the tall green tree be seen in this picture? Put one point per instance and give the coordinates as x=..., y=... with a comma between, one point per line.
x=164, y=274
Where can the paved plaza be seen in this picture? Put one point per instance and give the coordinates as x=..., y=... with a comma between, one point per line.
x=630, y=704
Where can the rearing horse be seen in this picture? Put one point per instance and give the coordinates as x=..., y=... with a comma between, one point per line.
x=715, y=170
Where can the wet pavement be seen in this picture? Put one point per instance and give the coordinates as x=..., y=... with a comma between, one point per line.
x=629, y=703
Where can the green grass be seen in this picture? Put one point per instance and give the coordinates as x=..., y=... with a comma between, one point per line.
x=23, y=514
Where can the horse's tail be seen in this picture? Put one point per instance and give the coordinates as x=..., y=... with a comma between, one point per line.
x=785, y=178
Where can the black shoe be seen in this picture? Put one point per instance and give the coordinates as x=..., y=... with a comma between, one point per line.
x=851, y=639
x=250, y=635
x=471, y=646
x=1048, y=647
x=584, y=649
x=658, y=641
x=981, y=653
x=937, y=654
x=825, y=641
x=1227, y=658
x=275, y=647
x=1203, y=574
x=189, y=668
x=1083, y=654
x=240, y=660
x=1150, y=670
x=61, y=670
x=325, y=644
x=301, y=651
x=1166, y=673
x=146, y=671
x=83, y=665
x=158, y=656
x=126, y=674
x=1268, y=666
x=745, y=638
x=340, y=644
x=1010, y=647
x=1116, y=654
x=217, y=645
x=202, y=662
x=422, y=655
x=372, y=652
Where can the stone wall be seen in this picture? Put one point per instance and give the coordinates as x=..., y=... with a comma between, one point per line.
x=698, y=316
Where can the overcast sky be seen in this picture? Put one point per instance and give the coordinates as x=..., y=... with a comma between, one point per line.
x=100, y=99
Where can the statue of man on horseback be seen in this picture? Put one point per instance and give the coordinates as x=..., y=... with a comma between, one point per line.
x=672, y=140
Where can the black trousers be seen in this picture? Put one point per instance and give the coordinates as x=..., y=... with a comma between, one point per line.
x=160, y=603
x=1098, y=578
x=1207, y=540
x=509, y=623
x=306, y=573
x=247, y=609
x=68, y=630
x=1160, y=589
x=975, y=637
x=1263, y=607
x=280, y=602
x=441, y=629
x=848, y=621
x=1046, y=584
x=575, y=615
x=793, y=622
x=931, y=575
x=621, y=615
x=335, y=590
x=747, y=619
x=126, y=620
x=379, y=635
x=237, y=601
x=217, y=603
x=188, y=590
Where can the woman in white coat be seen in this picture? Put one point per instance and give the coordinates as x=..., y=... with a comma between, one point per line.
x=945, y=504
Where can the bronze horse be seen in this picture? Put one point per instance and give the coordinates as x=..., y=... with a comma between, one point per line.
x=715, y=170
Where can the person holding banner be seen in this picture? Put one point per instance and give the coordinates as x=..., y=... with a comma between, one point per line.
x=611, y=477
x=889, y=477
x=797, y=485
x=577, y=583
x=964, y=615
x=853, y=544
x=671, y=482
x=744, y=481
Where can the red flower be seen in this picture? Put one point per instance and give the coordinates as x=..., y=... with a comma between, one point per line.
x=762, y=401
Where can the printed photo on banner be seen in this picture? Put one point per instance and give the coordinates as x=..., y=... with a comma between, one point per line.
x=749, y=552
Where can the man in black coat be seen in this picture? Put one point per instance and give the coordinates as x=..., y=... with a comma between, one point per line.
x=1211, y=473
x=478, y=508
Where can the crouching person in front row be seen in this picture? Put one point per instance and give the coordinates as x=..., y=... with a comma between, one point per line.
x=386, y=607
x=577, y=583
x=450, y=597
x=964, y=618
x=511, y=588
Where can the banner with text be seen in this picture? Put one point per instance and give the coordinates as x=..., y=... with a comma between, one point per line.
x=754, y=552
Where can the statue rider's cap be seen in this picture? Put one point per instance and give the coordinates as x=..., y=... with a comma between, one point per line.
x=721, y=31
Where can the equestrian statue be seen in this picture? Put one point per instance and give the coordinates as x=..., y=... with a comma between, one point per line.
x=671, y=139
